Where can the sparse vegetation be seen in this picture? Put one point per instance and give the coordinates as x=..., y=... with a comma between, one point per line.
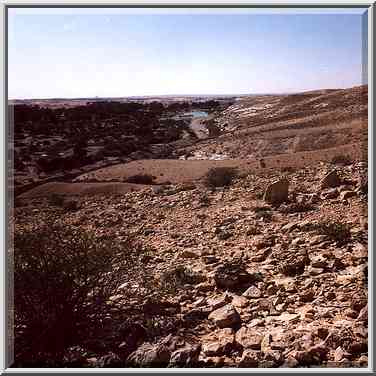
x=296, y=207
x=175, y=278
x=220, y=177
x=89, y=294
x=338, y=231
x=263, y=212
x=56, y=199
x=62, y=280
x=342, y=159
x=253, y=230
x=141, y=179
x=288, y=170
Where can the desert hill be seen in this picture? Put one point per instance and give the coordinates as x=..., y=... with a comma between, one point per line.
x=243, y=249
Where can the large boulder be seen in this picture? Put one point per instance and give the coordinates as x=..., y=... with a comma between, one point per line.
x=277, y=192
x=252, y=293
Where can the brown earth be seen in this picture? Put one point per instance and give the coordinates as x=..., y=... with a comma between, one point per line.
x=291, y=123
x=179, y=171
x=306, y=291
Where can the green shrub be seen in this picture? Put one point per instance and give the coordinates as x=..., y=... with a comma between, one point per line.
x=62, y=279
x=337, y=231
x=220, y=177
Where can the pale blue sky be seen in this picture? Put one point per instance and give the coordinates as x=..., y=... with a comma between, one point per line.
x=110, y=53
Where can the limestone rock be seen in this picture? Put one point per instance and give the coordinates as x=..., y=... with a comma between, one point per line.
x=219, y=342
x=148, y=355
x=225, y=317
x=252, y=293
x=277, y=192
x=250, y=358
x=346, y=194
x=248, y=338
x=186, y=356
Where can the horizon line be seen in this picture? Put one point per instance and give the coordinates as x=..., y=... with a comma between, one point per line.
x=182, y=95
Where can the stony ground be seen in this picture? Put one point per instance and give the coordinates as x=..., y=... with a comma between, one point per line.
x=261, y=126
x=245, y=283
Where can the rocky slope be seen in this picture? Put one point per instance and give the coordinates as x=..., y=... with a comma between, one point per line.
x=259, y=126
x=232, y=279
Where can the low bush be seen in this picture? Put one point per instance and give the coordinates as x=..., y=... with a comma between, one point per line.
x=337, y=231
x=62, y=280
x=174, y=279
x=288, y=170
x=265, y=215
x=263, y=212
x=296, y=207
x=56, y=199
x=220, y=177
x=342, y=159
x=141, y=179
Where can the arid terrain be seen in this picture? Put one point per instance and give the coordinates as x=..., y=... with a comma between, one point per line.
x=234, y=231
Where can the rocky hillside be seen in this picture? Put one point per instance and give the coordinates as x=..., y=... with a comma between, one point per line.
x=259, y=126
x=270, y=271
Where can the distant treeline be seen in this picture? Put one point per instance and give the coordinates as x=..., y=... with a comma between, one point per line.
x=60, y=137
x=101, y=110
